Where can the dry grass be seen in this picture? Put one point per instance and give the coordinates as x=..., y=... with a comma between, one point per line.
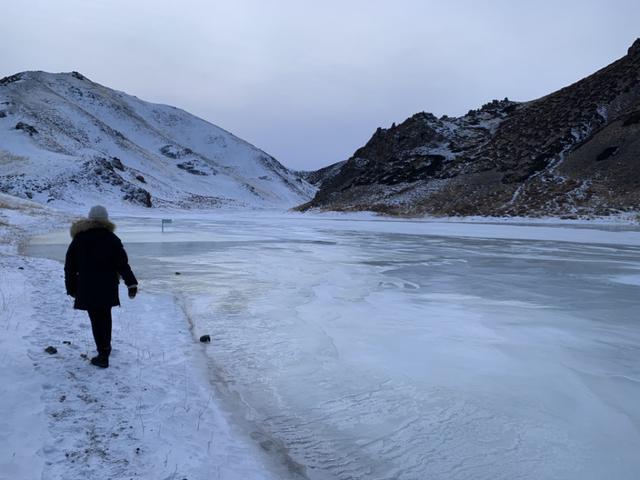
x=9, y=202
x=8, y=157
x=9, y=206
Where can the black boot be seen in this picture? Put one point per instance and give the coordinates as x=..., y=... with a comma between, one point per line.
x=100, y=360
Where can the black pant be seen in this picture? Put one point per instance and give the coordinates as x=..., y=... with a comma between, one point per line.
x=101, y=327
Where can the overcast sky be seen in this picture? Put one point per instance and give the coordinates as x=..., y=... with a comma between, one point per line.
x=309, y=81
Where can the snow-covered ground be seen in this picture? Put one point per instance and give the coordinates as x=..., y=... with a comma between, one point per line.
x=350, y=347
x=154, y=414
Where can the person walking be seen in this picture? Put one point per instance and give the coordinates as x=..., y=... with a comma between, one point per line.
x=94, y=262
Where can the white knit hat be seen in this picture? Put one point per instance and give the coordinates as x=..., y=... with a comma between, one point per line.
x=98, y=212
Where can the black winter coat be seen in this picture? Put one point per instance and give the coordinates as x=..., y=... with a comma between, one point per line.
x=94, y=261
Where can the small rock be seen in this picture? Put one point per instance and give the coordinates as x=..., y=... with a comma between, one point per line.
x=178, y=273
x=205, y=338
x=25, y=127
x=51, y=350
x=20, y=268
x=267, y=445
x=117, y=163
x=66, y=342
x=84, y=355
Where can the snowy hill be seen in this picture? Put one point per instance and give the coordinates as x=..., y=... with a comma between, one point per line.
x=66, y=140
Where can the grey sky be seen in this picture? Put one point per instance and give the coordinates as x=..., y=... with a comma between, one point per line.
x=309, y=81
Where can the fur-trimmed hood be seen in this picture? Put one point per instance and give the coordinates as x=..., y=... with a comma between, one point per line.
x=88, y=224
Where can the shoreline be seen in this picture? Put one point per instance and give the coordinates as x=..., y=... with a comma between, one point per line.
x=74, y=424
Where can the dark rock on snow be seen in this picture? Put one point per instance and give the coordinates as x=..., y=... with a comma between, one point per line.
x=175, y=152
x=117, y=163
x=25, y=127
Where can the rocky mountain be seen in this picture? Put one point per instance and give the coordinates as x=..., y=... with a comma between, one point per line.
x=573, y=152
x=316, y=177
x=67, y=140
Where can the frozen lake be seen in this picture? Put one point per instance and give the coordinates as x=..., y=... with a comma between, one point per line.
x=367, y=349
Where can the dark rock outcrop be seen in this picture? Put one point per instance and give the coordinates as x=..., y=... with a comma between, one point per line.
x=318, y=177
x=25, y=127
x=175, y=152
x=117, y=163
x=189, y=167
x=10, y=79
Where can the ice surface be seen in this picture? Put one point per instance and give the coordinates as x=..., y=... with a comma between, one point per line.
x=375, y=349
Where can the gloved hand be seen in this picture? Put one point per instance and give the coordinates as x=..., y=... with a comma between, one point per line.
x=133, y=290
